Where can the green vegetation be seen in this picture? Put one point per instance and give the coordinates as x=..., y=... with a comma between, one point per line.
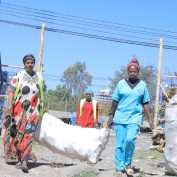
x=66, y=96
x=141, y=174
x=140, y=154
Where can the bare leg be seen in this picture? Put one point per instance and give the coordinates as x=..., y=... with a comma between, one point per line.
x=32, y=157
x=24, y=166
x=18, y=165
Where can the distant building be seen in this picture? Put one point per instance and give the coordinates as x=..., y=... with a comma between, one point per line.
x=104, y=99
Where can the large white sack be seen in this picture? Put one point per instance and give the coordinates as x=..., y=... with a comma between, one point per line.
x=171, y=136
x=72, y=141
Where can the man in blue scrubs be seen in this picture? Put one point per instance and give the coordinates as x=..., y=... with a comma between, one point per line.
x=129, y=99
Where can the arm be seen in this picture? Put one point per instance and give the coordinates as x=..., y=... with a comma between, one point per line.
x=147, y=112
x=9, y=108
x=10, y=98
x=13, y=87
x=112, y=112
x=145, y=102
x=77, y=114
x=96, y=123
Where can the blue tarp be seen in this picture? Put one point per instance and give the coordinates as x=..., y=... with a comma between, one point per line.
x=73, y=118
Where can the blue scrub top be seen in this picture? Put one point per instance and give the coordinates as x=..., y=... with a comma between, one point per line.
x=130, y=102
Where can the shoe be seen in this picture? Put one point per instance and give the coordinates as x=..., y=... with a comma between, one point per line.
x=118, y=173
x=129, y=170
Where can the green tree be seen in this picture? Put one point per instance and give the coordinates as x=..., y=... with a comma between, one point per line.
x=76, y=78
x=59, y=99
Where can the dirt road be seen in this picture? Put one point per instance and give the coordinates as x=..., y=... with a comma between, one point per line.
x=151, y=163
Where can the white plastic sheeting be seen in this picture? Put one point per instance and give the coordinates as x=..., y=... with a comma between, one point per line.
x=72, y=141
x=171, y=136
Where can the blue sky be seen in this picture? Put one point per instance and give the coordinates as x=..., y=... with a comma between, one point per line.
x=102, y=57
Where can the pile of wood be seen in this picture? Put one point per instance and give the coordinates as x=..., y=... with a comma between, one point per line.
x=170, y=93
x=158, y=140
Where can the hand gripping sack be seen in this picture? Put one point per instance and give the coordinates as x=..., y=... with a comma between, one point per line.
x=72, y=141
x=171, y=136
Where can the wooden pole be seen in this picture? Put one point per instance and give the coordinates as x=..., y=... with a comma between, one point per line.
x=10, y=66
x=165, y=76
x=41, y=49
x=158, y=84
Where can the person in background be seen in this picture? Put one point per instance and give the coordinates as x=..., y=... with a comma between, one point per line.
x=24, y=111
x=129, y=98
x=87, y=111
x=73, y=118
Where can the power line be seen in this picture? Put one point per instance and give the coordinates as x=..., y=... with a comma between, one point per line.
x=55, y=14
x=105, y=38
x=58, y=77
x=54, y=79
x=82, y=28
x=41, y=15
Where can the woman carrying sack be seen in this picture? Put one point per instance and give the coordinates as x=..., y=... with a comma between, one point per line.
x=25, y=109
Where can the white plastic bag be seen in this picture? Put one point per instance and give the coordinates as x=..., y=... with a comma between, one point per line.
x=171, y=136
x=72, y=141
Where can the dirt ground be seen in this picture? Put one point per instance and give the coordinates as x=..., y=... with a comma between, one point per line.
x=151, y=163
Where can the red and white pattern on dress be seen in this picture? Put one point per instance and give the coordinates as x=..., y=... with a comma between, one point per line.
x=26, y=115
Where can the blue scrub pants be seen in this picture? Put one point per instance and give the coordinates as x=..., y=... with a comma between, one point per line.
x=126, y=135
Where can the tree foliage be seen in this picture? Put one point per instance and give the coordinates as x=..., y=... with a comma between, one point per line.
x=75, y=78
x=59, y=99
x=74, y=82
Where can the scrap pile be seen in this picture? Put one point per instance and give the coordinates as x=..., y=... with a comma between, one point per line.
x=158, y=138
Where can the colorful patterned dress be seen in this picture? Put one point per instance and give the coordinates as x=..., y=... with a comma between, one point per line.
x=26, y=114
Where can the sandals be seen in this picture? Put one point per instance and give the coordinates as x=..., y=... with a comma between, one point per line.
x=129, y=170
x=118, y=173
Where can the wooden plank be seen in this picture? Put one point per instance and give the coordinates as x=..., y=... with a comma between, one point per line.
x=10, y=66
x=165, y=76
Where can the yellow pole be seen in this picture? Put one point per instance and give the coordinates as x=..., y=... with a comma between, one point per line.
x=41, y=49
x=158, y=84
